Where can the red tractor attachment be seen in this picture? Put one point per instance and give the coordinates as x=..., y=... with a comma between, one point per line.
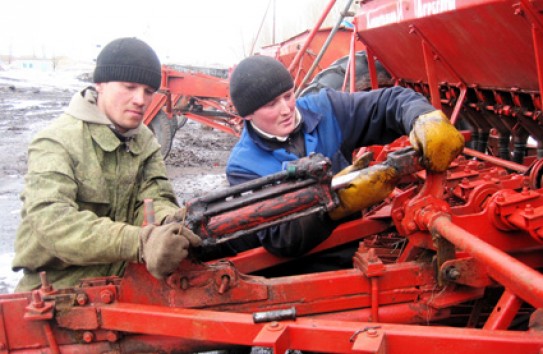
x=190, y=95
x=447, y=263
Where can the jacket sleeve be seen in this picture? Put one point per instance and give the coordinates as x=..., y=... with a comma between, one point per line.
x=288, y=239
x=376, y=117
x=156, y=186
x=297, y=237
x=65, y=229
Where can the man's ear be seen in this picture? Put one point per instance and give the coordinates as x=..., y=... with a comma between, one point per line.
x=99, y=87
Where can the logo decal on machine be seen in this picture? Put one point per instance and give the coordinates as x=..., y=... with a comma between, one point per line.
x=383, y=15
x=425, y=8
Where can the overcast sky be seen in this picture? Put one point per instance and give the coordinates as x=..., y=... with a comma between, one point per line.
x=197, y=32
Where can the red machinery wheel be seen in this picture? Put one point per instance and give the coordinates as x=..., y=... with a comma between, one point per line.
x=334, y=76
x=164, y=130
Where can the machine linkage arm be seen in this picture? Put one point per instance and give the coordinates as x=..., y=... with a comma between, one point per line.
x=305, y=187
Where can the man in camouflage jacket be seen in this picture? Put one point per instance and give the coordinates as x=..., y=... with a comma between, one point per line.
x=88, y=174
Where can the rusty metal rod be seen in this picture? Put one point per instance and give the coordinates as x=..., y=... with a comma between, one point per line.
x=496, y=161
x=324, y=48
x=311, y=35
x=518, y=278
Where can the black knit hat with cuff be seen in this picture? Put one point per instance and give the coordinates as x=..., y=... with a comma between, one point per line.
x=128, y=60
x=256, y=81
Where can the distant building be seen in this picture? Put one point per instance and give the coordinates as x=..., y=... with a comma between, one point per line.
x=41, y=65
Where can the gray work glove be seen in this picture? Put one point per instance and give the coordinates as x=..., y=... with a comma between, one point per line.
x=162, y=248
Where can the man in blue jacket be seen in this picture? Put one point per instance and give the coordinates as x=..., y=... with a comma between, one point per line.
x=280, y=129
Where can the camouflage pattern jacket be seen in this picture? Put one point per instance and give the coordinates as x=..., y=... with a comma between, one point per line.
x=83, y=197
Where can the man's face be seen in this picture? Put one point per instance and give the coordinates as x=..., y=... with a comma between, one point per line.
x=277, y=116
x=124, y=103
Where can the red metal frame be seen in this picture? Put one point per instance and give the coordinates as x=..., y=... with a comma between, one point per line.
x=467, y=239
x=200, y=97
x=374, y=307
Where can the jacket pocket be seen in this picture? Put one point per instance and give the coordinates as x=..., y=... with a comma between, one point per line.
x=93, y=195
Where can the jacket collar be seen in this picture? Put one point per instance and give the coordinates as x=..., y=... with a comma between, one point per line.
x=309, y=121
x=83, y=107
x=108, y=141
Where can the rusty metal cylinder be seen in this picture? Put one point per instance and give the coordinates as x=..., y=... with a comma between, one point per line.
x=278, y=315
x=148, y=212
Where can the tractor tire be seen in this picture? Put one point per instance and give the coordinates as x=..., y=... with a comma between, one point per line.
x=164, y=130
x=181, y=120
x=333, y=76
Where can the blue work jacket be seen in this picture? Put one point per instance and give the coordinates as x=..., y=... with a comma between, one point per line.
x=333, y=124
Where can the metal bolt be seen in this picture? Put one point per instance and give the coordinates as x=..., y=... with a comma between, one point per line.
x=37, y=301
x=372, y=332
x=45, y=286
x=184, y=283
x=225, y=281
x=82, y=299
x=106, y=296
x=112, y=336
x=452, y=273
x=88, y=337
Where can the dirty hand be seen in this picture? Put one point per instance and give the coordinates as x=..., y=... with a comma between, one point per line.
x=437, y=139
x=177, y=217
x=162, y=248
x=371, y=186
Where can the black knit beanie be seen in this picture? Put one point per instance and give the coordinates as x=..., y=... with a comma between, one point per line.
x=128, y=60
x=256, y=81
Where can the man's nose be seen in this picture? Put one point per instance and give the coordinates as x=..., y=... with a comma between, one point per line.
x=284, y=106
x=140, y=97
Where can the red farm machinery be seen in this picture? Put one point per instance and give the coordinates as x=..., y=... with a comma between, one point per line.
x=448, y=263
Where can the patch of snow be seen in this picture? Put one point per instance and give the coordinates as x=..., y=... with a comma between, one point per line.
x=8, y=278
x=62, y=79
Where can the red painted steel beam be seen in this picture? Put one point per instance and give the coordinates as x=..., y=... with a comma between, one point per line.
x=311, y=35
x=537, y=38
x=213, y=123
x=504, y=312
x=257, y=259
x=313, y=334
x=158, y=101
x=187, y=84
x=431, y=74
x=406, y=313
x=520, y=279
x=310, y=293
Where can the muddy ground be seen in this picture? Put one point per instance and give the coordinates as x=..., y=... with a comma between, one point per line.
x=195, y=165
